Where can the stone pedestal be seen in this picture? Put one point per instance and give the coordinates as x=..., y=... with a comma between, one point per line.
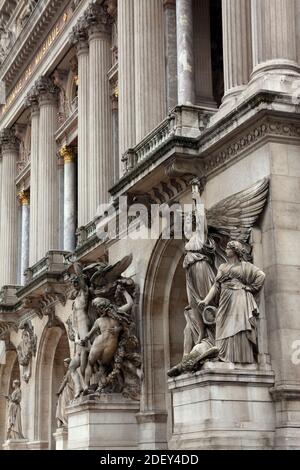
x=38, y=445
x=223, y=407
x=101, y=423
x=15, y=444
x=61, y=439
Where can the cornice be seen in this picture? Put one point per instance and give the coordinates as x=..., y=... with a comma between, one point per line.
x=29, y=39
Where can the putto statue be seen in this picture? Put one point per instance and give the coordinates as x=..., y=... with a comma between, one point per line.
x=14, y=425
x=26, y=350
x=106, y=357
x=65, y=396
x=223, y=296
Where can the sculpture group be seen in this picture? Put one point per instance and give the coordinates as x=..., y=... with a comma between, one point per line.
x=106, y=357
x=223, y=286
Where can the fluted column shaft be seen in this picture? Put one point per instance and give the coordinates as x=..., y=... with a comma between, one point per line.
x=236, y=45
x=80, y=39
x=34, y=181
x=171, y=53
x=48, y=209
x=67, y=154
x=202, y=54
x=23, y=197
x=126, y=59
x=150, y=75
x=185, y=52
x=274, y=35
x=9, y=208
x=100, y=115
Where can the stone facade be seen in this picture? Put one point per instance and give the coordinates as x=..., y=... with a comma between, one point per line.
x=133, y=98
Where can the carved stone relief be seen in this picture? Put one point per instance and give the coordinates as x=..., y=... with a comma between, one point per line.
x=26, y=350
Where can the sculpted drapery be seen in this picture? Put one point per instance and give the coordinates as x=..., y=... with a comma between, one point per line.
x=236, y=285
x=229, y=289
x=14, y=424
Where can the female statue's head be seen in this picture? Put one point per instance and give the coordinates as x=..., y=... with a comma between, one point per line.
x=235, y=249
x=16, y=383
x=67, y=362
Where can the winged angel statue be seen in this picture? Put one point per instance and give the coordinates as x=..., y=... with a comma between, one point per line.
x=223, y=285
x=102, y=326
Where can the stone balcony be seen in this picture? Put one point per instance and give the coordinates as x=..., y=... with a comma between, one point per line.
x=172, y=145
x=44, y=283
x=181, y=129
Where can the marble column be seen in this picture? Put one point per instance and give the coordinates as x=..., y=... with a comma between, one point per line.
x=48, y=209
x=61, y=202
x=202, y=55
x=79, y=38
x=23, y=197
x=237, y=54
x=274, y=37
x=100, y=115
x=32, y=103
x=126, y=74
x=171, y=53
x=150, y=73
x=115, y=135
x=67, y=153
x=9, y=209
x=185, y=52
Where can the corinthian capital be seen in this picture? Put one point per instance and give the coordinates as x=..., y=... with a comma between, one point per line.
x=31, y=100
x=79, y=35
x=8, y=140
x=46, y=89
x=98, y=19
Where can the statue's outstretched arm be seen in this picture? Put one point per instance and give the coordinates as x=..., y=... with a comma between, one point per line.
x=126, y=308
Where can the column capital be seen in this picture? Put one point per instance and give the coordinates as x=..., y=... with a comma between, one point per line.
x=98, y=20
x=24, y=197
x=32, y=100
x=47, y=90
x=9, y=141
x=67, y=153
x=79, y=35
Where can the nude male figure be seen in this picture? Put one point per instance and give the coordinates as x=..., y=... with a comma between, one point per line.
x=109, y=325
x=81, y=329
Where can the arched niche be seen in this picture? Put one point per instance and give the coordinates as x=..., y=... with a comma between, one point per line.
x=163, y=322
x=9, y=372
x=53, y=349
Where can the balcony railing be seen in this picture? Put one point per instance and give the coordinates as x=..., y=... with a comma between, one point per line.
x=183, y=121
x=54, y=262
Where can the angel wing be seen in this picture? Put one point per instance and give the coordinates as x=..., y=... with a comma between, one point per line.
x=111, y=272
x=235, y=216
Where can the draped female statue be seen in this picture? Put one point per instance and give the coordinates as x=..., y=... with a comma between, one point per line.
x=237, y=285
x=65, y=395
x=14, y=425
